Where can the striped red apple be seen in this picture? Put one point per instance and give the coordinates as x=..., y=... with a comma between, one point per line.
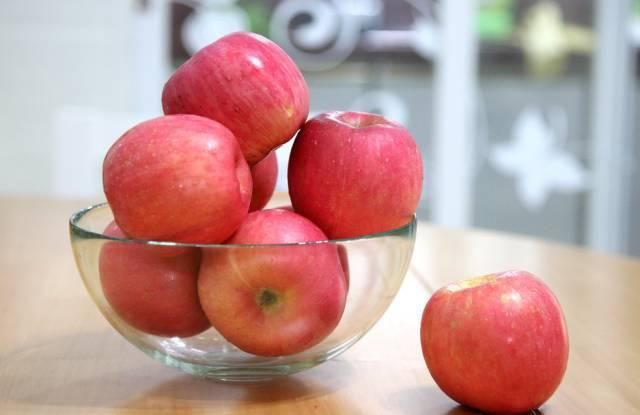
x=264, y=175
x=249, y=84
x=273, y=300
x=497, y=343
x=355, y=174
x=152, y=288
x=178, y=178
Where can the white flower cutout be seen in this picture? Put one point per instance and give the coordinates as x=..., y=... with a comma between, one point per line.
x=537, y=161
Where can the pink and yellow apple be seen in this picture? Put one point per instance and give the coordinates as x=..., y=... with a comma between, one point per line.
x=354, y=174
x=264, y=175
x=249, y=84
x=273, y=300
x=179, y=178
x=497, y=343
x=152, y=288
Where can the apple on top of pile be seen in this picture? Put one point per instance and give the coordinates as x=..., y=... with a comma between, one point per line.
x=202, y=174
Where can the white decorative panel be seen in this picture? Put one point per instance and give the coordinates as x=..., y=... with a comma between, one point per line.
x=81, y=138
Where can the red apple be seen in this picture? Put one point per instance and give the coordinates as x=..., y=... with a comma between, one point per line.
x=273, y=300
x=180, y=178
x=496, y=343
x=342, y=250
x=264, y=175
x=354, y=174
x=249, y=84
x=152, y=288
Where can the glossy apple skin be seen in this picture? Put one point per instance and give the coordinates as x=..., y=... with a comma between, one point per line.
x=306, y=284
x=249, y=84
x=355, y=174
x=500, y=346
x=342, y=251
x=151, y=288
x=178, y=178
x=264, y=175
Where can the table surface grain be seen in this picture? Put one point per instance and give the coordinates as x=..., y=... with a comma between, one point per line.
x=58, y=355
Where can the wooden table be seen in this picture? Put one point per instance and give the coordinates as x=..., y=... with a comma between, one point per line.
x=59, y=356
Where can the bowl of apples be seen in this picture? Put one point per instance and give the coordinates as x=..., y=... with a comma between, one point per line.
x=240, y=311
x=196, y=264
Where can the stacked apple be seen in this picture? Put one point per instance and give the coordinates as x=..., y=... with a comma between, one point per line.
x=202, y=174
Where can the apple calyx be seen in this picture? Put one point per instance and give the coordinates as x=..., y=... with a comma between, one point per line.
x=268, y=299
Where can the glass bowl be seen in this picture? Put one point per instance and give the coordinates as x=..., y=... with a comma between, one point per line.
x=376, y=267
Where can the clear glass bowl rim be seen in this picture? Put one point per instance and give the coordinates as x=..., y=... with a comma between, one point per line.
x=84, y=233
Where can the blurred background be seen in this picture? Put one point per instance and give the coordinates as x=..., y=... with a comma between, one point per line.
x=524, y=109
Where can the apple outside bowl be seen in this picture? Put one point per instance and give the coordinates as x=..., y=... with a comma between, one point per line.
x=377, y=265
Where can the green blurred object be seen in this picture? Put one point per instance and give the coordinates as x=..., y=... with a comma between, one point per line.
x=494, y=21
x=258, y=16
x=636, y=8
x=548, y=40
